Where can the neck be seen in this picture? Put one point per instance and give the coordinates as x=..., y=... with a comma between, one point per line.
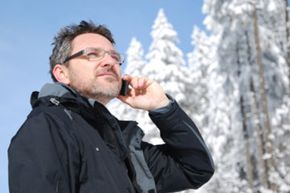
x=102, y=99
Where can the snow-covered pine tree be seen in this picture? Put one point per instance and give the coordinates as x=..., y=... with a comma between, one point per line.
x=135, y=58
x=246, y=48
x=199, y=61
x=224, y=99
x=206, y=83
x=165, y=59
x=165, y=63
x=275, y=48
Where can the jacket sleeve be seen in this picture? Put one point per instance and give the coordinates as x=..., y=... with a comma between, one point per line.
x=184, y=161
x=37, y=158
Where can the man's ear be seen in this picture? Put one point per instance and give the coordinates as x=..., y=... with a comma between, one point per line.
x=60, y=72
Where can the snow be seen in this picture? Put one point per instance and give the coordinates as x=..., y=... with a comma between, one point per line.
x=219, y=86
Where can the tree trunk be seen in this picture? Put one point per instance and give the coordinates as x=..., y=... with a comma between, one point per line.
x=265, y=120
x=259, y=164
x=258, y=134
x=249, y=163
x=287, y=36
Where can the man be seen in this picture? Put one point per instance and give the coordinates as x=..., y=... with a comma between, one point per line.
x=70, y=143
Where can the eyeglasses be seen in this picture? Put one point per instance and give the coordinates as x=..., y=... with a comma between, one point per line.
x=95, y=54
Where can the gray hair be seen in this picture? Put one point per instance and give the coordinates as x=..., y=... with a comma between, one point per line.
x=63, y=40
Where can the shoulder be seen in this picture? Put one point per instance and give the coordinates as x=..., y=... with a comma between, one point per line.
x=42, y=122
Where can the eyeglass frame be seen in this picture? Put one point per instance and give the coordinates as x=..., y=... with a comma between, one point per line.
x=85, y=51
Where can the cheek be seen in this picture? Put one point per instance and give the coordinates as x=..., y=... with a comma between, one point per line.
x=117, y=69
x=79, y=75
x=83, y=70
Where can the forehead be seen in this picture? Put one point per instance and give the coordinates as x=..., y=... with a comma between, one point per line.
x=91, y=40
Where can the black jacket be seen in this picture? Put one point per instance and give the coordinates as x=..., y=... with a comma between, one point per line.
x=67, y=145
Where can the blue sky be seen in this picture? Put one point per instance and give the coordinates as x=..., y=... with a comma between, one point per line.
x=26, y=32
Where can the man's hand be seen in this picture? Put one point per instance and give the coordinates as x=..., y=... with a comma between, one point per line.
x=144, y=94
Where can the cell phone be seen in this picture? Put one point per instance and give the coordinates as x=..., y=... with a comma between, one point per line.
x=124, y=88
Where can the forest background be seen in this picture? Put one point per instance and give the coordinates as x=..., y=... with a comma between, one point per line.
x=234, y=83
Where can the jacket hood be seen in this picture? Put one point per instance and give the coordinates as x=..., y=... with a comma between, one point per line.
x=55, y=89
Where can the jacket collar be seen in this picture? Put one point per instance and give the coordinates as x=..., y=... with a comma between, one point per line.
x=55, y=89
x=60, y=90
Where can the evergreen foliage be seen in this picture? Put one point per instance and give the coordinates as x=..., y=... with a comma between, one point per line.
x=235, y=86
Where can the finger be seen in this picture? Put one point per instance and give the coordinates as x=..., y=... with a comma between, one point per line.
x=127, y=78
x=126, y=99
x=134, y=82
x=141, y=83
x=138, y=82
x=147, y=82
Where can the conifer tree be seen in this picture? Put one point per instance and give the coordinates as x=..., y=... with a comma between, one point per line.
x=165, y=59
x=135, y=58
x=251, y=59
x=165, y=63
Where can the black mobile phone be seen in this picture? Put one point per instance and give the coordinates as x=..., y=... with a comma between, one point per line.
x=124, y=88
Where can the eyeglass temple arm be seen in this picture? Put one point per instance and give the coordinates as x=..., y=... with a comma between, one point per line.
x=74, y=56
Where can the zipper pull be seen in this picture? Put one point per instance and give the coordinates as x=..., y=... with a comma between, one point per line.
x=54, y=101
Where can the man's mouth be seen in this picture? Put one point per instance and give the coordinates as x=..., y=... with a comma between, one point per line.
x=108, y=74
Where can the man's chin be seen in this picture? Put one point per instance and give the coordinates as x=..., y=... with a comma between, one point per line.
x=109, y=90
x=110, y=82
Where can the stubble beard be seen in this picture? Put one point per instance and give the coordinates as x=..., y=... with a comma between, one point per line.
x=105, y=92
x=99, y=91
x=102, y=89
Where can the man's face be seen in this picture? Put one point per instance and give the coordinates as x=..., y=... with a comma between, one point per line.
x=100, y=79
